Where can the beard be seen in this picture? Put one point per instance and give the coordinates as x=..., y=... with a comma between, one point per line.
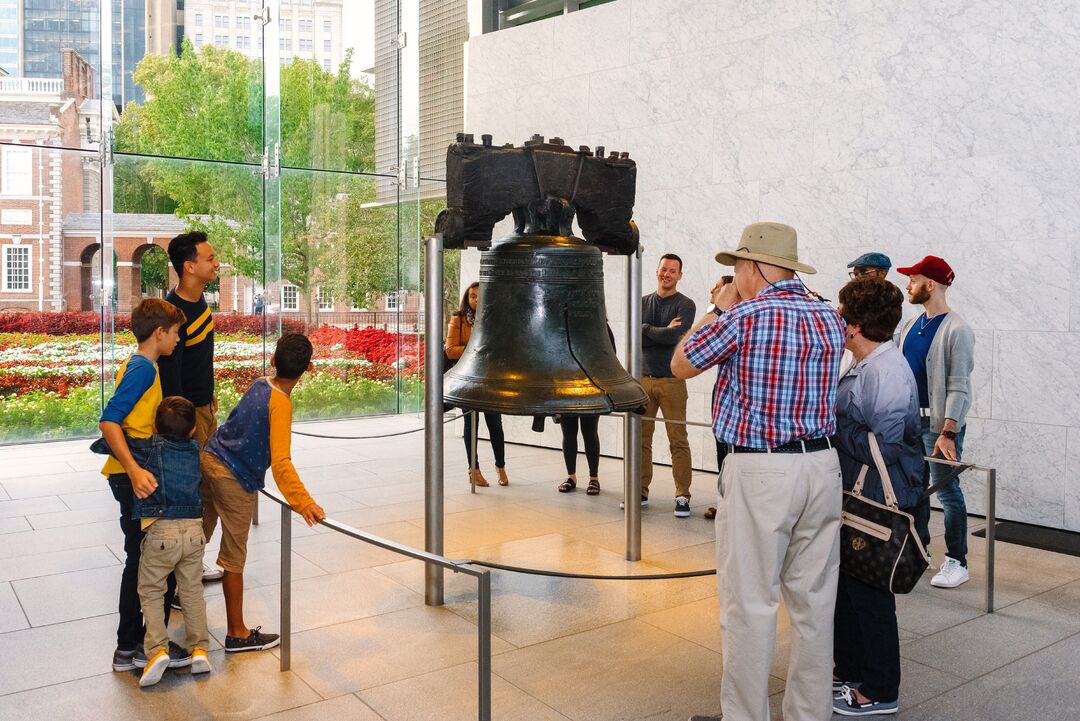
x=919, y=295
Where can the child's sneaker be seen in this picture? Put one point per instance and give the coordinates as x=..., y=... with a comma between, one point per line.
x=255, y=641
x=200, y=662
x=123, y=660
x=179, y=657
x=155, y=668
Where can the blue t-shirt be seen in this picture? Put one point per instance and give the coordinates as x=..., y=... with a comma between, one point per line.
x=916, y=346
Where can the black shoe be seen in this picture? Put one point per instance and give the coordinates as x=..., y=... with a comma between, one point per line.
x=644, y=502
x=255, y=641
x=124, y=660
x=179, y=657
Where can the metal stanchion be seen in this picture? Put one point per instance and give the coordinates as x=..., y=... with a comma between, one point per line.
x=991, y=523
x=286, y=587
x=632, y=421
x=484, y=655
x=433, y=419
x=474, y=418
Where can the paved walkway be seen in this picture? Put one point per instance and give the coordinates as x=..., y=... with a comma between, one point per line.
x=366, y=647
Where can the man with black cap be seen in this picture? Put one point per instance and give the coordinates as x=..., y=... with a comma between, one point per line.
x=874, y=264
x=777, y=351
x=940, y=348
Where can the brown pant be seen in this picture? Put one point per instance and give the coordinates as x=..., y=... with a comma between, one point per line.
x=173, y=545
x=205, y=424
x=224, y=498
x=669, y=395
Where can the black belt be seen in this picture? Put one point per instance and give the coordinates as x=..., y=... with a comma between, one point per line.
x=810, y=446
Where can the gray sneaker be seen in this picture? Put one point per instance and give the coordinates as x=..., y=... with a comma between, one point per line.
x=179, y=657
x=682, y=507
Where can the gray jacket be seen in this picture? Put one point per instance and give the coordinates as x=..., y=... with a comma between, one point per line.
x=948, y=369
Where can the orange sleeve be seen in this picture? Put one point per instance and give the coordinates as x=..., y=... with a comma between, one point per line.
x=453, y=345
x=285, y=475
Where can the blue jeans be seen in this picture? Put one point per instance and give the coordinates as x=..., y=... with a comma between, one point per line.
x=951, y=497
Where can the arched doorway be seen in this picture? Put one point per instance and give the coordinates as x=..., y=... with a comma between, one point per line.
x=150, y=267
x=90, y=278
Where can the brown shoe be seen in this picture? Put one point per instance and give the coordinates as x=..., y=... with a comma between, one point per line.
x=503, y=480
x=477, y=478
x=711, y=513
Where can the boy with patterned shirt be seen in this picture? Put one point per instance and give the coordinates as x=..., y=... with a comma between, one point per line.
x=130, y=413
x=257, y=436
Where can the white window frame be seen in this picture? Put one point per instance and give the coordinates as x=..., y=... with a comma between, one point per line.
x=392, y=301
x=325, y=299
x=198, y=20
x=20, y=162
x=293, y=307
x=23, y=250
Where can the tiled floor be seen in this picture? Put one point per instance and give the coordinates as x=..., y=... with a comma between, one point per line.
x=366, y=647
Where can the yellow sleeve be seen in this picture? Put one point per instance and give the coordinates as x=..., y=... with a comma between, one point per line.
x=285, y=475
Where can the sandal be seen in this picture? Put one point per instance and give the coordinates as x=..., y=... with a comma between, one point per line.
x=568, y=485
x=594, y=487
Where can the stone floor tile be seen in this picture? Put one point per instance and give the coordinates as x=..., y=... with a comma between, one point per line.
x=54, y=654
x=341, y=707
x=28, y=506
x=48, y=483
x=452, y=694
x=12, y=617
x=660, y=532
x=64, y=519
x=627, y=670
x=241, y=686
x=48, y=564
x=383, y=649
x=474, y=529
x=60, y=539
x=101, y=498
x=69, y=596
x=335, y=552
x=919, y=683
x=14, y=524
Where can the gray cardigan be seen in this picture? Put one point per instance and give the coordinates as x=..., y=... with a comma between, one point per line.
x=949, y=363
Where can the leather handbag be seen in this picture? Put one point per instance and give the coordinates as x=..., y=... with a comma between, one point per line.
x=878, y=542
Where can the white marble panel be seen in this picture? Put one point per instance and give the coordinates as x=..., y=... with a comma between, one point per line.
x=1074, y=311
x=982, y=377
x=512, y=58
x=1037, y=194
x=873, y=129
x=1030, y=463
x=631, y=96
x=827, y=209
x=919, y=39
x=819, y=61
x=725, y=79
x=993, y=286
x=493, y=113
x=1072, y=480
x=746, y=19
x=661, y=28
x=1038, y=31
x=1037, y=377
x=839, y=8
x=934, y=204
x=670, y=155
x=594, y=40
x=774, y=143
x=703, y=220
x=553, y=109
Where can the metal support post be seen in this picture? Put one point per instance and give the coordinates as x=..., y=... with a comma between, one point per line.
x=474, y=418
x=433, y=419
x=991, y=524
x=286, y=587
x=632, y=427
x=484, y=655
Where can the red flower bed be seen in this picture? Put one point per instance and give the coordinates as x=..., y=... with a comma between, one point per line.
x=236, y=323
x=64, y=323
x=19, y=384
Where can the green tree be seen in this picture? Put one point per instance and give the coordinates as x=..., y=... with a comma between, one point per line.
x=155, y=270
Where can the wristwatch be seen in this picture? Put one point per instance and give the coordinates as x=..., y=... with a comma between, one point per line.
x=951, y=435
x=714, y=310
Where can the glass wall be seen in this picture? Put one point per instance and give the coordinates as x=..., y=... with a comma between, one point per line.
x=288, y=130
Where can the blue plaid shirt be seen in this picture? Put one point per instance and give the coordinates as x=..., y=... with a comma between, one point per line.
x=778, y=362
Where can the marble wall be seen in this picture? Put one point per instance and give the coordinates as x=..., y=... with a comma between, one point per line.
x=908, y=126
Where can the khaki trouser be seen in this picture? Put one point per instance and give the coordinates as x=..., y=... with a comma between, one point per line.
x=173, y=546
x=205, y=423
x=225, y=499
x=669, y=395
x=778, y=534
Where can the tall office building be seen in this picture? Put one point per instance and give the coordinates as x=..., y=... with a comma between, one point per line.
x=10, y=36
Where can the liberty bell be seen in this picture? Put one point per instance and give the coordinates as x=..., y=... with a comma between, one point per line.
x=540, y=343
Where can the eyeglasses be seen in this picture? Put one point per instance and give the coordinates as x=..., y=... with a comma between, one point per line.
x=863, y=272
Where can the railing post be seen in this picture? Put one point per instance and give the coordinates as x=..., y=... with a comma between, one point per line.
x=484, y=656
x=286, y=587
x=632, y=422
x=474, y=464
x=433, y=418
x=991, y=530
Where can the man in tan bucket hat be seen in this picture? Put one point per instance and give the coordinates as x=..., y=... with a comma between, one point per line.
x=777, y=350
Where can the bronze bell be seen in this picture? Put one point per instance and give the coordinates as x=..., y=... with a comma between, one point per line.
x=539, y=344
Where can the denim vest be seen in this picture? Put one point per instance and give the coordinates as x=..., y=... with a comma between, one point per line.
x=175, y=464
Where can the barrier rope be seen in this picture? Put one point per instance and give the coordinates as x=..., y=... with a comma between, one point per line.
x=380, y=435
x=593, y=576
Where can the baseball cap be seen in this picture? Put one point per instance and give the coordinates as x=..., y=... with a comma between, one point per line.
x=871, y=260
x=933, y=267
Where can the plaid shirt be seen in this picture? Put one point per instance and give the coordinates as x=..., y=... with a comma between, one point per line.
x=778, y=356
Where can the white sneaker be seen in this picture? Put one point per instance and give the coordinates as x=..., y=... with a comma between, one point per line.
x=951, y=575
x=212, y=572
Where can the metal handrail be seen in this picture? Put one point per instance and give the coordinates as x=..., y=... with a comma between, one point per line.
x=483, y=582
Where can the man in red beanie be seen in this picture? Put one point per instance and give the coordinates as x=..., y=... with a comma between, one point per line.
x=940, y=348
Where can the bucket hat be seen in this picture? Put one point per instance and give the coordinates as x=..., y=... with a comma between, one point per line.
x=772, y=243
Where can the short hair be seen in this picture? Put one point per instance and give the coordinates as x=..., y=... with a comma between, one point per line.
x=154, y=313
x=874, y=304
x=671, y=256
x=292, y=355
x=175, y=417
x=182, y=249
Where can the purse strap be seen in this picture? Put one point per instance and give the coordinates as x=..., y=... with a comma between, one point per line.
x=883, y=471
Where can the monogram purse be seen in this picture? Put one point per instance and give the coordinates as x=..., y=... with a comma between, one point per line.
x=878, y=542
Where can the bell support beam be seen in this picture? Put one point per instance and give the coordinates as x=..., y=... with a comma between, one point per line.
x=433, y=418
